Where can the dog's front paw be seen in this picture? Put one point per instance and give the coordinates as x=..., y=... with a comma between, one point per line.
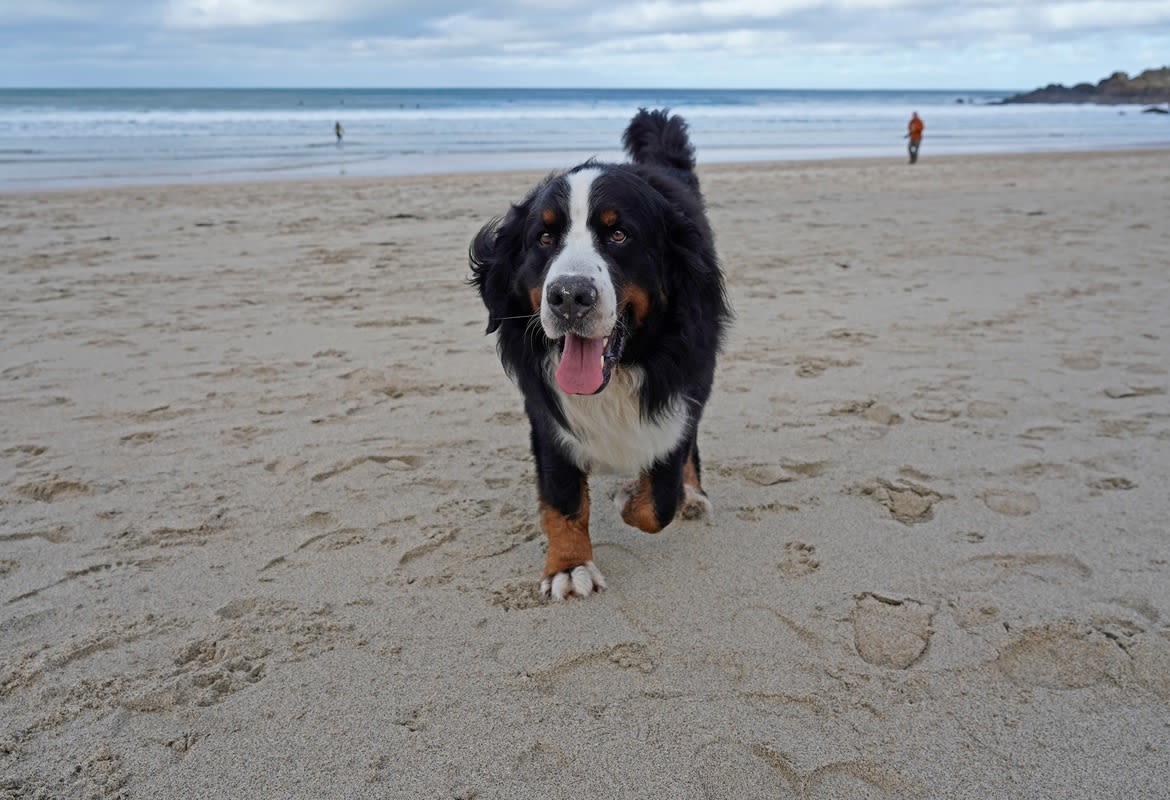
x=636, y=505
x=581, y=581
x=694, y=504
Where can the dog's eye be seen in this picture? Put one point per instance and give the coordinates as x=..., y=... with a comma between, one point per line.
x=618, y=236
x=546, y=239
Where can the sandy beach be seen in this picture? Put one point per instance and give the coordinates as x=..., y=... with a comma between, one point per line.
x=268, y=524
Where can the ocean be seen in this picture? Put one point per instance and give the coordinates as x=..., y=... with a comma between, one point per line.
x=70, y=138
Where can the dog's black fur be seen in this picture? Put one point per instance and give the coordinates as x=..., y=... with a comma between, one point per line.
x=671, y=313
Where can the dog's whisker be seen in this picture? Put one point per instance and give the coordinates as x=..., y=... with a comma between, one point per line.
x=534, y=329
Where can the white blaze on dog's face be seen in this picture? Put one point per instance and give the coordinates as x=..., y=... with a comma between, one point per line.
x=578, y=298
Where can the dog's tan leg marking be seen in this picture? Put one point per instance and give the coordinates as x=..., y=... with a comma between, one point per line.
x=568, y=540
x=569, y=567
x=638, y=509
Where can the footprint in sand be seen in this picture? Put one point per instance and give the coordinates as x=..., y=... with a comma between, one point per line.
x=632, y=656
x=518, y=597
x=235, y=654
x=285, y=465
x=799, y=560
x=1112, y=484
x=1047, y=567
x=20, y=372
x=869, y=410
x=762, y=474
x=934, y=414
x=464, y=509
x=139, y=437
x=101, y=774
x=382, y=464
x=1011, y=503
x=890, y=631
x=1151, y=663
x=747, y=772
x=908, y=502
x=1066, y=655
x=319, y=519
x=1121, y=392
x=851, y=336
x=1083, y=362
x=55, y=535
x=981, y=409
x=1042, y=432
x=54, y=489
x=810, y=367
x=757, y=513
x=30, y=450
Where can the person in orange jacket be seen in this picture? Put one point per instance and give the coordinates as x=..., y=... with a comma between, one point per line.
x=914, y=134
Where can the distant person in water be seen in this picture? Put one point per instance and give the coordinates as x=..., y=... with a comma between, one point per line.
x=340, y=131
x=914, y=134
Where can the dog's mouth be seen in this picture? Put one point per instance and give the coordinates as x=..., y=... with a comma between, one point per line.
x=586, y=364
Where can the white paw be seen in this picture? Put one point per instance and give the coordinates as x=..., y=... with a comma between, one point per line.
x=694, y=505
x=581, y=581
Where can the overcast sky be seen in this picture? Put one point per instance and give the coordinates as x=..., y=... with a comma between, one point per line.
x=998, y=44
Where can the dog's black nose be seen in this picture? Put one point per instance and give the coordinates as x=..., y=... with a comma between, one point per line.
x=571, y=297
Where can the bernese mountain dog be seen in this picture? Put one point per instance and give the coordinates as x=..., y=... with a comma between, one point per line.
x=608, y=301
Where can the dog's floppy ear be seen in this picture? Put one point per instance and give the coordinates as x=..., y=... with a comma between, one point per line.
x=697, y=280
x=495, y=254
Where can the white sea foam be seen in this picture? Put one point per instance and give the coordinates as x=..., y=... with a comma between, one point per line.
x=61, y=138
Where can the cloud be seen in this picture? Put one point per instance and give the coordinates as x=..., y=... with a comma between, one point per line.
x=212, y=14
x=1097, y=16
x=901, y=43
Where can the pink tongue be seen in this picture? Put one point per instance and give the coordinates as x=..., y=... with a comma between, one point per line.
x=580, y=369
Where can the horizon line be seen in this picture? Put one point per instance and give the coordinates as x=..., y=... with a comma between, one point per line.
x=309, y=88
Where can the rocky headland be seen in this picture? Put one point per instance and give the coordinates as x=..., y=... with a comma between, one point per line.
x=1150, y=87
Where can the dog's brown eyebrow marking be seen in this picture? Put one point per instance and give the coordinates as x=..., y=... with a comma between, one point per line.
x=608, y=217
x=549, y=217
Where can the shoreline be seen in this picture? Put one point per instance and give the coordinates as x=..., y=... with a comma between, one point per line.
x=269, y=527
x=123, y=137
x=768, y=164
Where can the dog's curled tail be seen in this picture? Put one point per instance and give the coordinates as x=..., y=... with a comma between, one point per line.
x=656, y=137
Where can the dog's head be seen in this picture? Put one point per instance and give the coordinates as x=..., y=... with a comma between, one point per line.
x=595, y=254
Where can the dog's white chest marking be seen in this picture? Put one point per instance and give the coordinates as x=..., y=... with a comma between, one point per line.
x=607, y=432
